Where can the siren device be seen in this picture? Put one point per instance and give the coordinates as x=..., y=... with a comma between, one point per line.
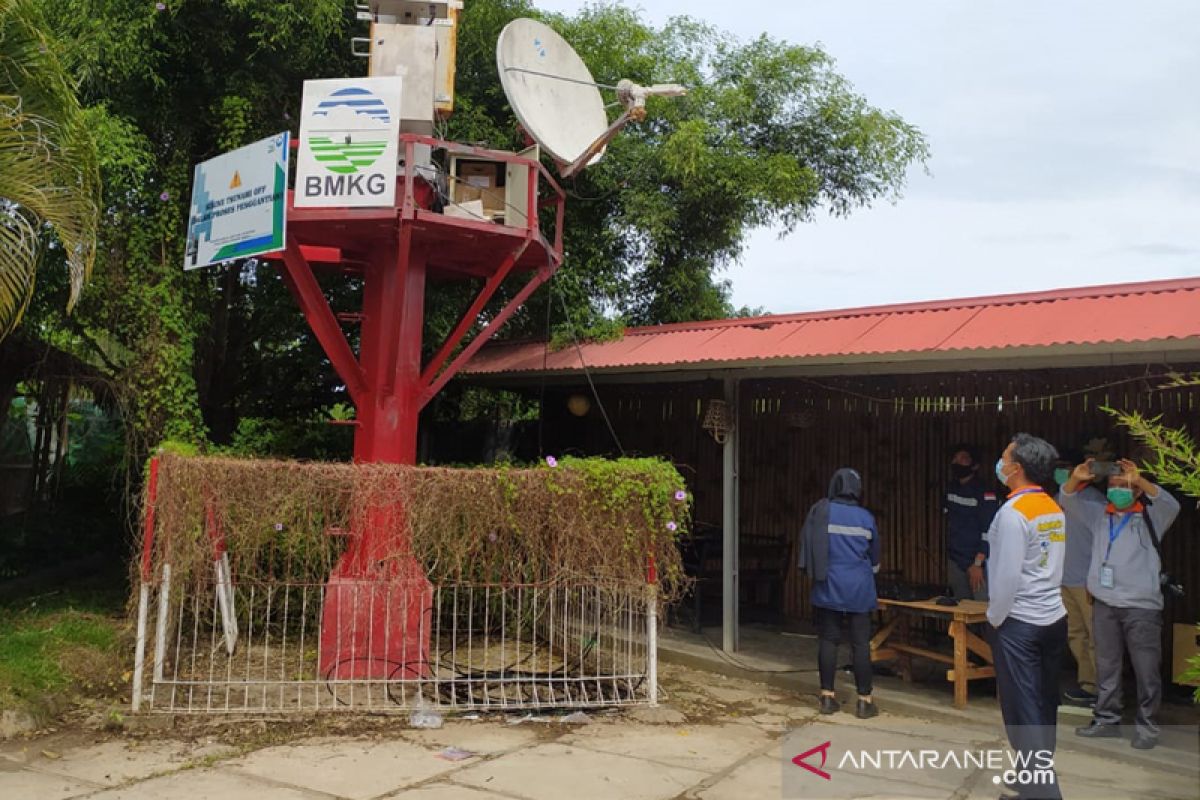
x=557, y=101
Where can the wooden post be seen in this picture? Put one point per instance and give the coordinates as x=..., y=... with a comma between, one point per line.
x=958, y=631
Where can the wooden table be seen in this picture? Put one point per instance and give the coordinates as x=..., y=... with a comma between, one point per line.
x=891, y=641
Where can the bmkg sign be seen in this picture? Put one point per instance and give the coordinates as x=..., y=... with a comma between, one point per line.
x=349, y=132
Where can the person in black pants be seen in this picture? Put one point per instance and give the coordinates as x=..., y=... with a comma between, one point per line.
x=839, y=549
x=1027, y=542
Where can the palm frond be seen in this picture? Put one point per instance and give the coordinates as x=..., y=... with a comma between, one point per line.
x=49, y=168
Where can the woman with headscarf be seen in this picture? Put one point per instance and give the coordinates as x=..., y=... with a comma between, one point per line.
x=839, y=549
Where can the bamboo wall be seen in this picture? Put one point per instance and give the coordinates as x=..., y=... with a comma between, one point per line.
x=896, y=430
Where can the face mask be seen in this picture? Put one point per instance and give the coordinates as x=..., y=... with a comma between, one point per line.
x=1062, y=475
x=961, y=470
x=1000, y=471
x=1120, y=497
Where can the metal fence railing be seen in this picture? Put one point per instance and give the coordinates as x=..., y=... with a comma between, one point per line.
x=216, y=645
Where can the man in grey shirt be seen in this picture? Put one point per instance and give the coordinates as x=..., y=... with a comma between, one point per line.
x=1123, y=579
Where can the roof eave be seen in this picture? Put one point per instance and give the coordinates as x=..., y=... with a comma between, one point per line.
x=1162, y=351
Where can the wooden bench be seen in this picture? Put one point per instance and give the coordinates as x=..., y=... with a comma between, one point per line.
x=891, y=641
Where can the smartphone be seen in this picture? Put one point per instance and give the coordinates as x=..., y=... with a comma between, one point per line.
x=1105, y=469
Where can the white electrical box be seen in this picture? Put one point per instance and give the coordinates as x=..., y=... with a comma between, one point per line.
x=410, y=52
x=516, y=189
x=419, y=41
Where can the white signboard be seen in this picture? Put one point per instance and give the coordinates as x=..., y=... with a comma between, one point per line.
x=238, y=204
x=349, y=143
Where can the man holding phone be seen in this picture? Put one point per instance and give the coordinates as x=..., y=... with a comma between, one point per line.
x=1124, y=580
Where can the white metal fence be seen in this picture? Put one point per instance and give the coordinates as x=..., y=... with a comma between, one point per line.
x=217, y=645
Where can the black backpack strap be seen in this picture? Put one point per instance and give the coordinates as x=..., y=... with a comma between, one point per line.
x=1150, y=527
x=1162, y=564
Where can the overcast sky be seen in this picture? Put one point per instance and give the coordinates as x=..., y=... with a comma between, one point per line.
x=1065, y=142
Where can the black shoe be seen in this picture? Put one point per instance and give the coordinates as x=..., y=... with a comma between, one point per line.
x=829, y=705
x=866, y=709
x=1078, y=697
x=1098, y=730
x=1143, y=742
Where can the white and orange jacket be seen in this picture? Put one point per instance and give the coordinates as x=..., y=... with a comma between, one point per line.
x=1028, y=543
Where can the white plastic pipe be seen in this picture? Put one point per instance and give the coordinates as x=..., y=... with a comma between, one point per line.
x=139, y=653
x=225, y=599
x=652, y=640
x=160, y=631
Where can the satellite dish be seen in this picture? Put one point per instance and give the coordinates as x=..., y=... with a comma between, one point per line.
x=555, y=98
x=550, y=90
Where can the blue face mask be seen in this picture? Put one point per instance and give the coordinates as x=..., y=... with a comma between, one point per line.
x=1000, y=471
x=1062, y=475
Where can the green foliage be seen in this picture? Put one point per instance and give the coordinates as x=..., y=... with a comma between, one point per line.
x=769, y=134
x=165, y=90
x=49, y=173
x=652, y=486
x=1175, y=457
x=468, y=403
x=1192, y=673
x=313, y=437
x=60, y=646
x=601, y=329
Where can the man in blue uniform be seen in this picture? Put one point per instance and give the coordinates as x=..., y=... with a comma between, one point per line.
x=969, y=508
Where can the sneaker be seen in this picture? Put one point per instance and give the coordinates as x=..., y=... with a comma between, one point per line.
x=1099, y=731
x=1143, y=742
x=1078, y=697
x=866, y=709
x=829, y=705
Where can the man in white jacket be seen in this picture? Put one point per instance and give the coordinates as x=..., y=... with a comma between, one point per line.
x=1027, y=540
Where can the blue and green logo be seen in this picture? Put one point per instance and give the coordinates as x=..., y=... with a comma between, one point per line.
x=350, y=155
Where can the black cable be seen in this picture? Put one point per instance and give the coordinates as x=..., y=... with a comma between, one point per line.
x=542, y=389
x=587, y=372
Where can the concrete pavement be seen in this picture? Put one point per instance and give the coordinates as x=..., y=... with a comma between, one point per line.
x=721, y=739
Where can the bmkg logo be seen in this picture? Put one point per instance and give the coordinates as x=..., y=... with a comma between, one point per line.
x=349, y=156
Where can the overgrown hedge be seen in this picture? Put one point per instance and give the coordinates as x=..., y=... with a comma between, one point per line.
x=562, y=522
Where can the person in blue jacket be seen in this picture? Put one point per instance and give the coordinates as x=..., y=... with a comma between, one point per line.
x=839, y=549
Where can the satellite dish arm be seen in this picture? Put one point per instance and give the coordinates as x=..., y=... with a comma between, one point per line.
x=600, y=143
x=633, y=98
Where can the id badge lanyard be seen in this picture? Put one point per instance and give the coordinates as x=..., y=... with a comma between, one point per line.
x=1114, y=530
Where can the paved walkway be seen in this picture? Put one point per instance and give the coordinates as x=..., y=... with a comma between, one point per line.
x=718, y=738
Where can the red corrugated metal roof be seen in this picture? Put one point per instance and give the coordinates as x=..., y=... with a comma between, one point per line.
x=1086, y=316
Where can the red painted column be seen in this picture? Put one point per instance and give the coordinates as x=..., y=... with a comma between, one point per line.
x=394, y=317
x=377, y=616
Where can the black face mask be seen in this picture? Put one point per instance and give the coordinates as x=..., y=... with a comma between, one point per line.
x=961, y=471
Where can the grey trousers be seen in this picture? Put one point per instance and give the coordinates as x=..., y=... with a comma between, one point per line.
x=1138, y=630
x=960, y=584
